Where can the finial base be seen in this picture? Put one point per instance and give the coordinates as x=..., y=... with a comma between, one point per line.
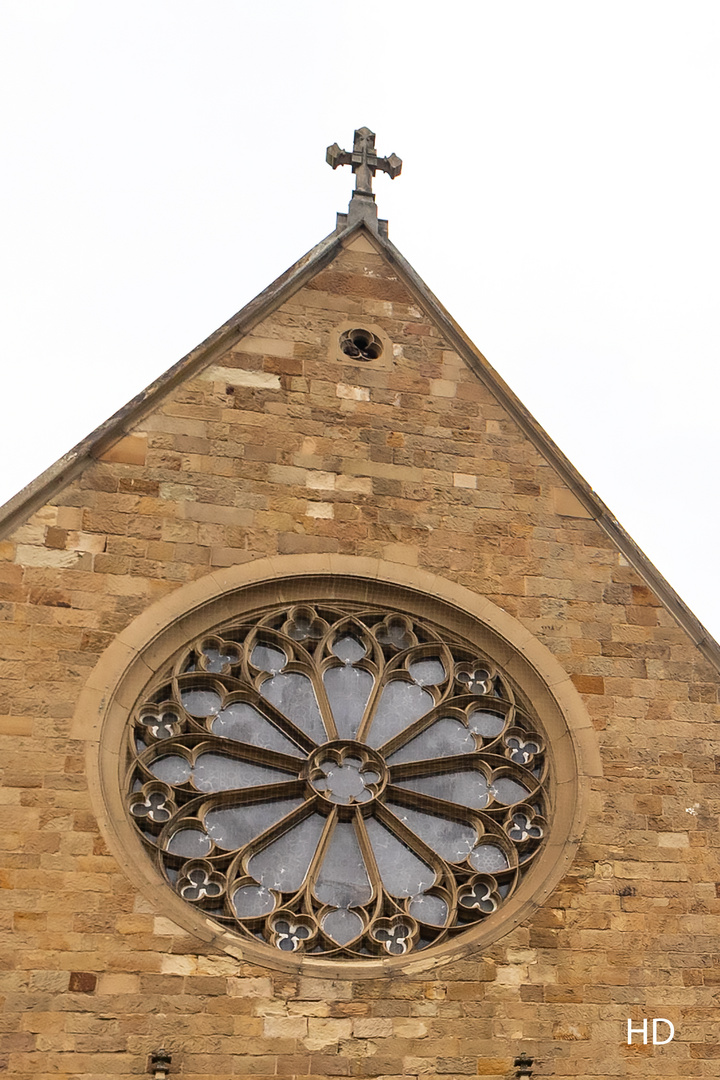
x=380, y=225
x=362, y=208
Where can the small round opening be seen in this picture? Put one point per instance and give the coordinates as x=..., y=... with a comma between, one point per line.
x=360, y=344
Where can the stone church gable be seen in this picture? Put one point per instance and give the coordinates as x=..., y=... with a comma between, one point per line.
x=269, y=442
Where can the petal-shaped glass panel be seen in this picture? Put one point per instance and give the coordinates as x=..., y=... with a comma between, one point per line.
x=450, y=839
x=342, y=925
x=190, y=842
x=348, y=690
x=242, y=723
x=403, y=873
x=427, y=672
x=488, y=858
x=349, y=649
x=401, y=704
x=266, y=658
x=294, y=695
x=509, y=791
x=467, y=788
x=252, y=901
x=284, y=864
x=216, y=772
x=232, y=827
x=429, y=909
x=201, y=702
x=343, y=878
x=487, y=724
x=444, y=738
x=171, y=768
x=215, y=660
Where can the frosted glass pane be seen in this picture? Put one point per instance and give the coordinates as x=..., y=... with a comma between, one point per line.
x=284, y=864
x=348, y=690
x=432, y=910
x=234, y=826
x=242, y=723
x=402, y=872
x=346, y=783
x=171, y=768
x=442, y=739
x=215, y=772
x=266, y=658
x=349, y=649
x=343, y=878
x=395, y=632
x=508, y=791
x=250, y=901
x=401, y=704
x=488, y=858
x=190, y=842
x=201, y=702
x=293, y=695
x=427, y=672
x=302, y=627
x=467, y=788
x=342, y=926
x=487, y=724
x=216, y=660
x=450, y=839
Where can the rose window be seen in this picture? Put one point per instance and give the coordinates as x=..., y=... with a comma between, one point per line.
x=338, y=779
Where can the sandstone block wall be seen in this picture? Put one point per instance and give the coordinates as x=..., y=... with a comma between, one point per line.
x=283, y=448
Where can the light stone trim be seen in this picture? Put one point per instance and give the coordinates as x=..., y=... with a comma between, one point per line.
x=261, y=380
x=320, y=510
x=352, y=393
x=31, y=555
x=265, y=346
x=126, y=666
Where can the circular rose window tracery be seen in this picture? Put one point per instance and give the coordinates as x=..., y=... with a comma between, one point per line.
x=339, y=779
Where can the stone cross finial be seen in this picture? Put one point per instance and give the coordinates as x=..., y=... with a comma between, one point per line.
x=364, y=161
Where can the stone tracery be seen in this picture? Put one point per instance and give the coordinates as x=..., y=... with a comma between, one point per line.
x=338, y=779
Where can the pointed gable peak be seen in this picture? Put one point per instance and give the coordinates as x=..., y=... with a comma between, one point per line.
x=335, y=266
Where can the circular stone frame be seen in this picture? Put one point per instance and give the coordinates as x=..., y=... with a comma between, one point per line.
x=124, y=669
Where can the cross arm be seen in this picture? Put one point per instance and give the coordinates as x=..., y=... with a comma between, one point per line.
x=391, y=165
x=335, y=156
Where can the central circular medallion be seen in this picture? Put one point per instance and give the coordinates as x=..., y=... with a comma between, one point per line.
x=346, y=773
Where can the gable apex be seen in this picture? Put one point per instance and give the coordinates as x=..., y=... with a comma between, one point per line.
x=116, y=435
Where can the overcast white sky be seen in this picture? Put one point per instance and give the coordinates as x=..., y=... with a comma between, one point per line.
x=164, y=161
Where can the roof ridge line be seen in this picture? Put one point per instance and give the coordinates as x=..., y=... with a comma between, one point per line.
x=111, y=430
x=549, y=449
x=62, y=471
